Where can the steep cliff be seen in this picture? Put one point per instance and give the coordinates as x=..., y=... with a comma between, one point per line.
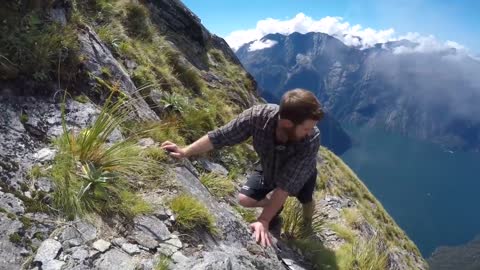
x=89, y=88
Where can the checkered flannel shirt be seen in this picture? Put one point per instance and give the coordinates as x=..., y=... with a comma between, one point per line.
x=286, y=166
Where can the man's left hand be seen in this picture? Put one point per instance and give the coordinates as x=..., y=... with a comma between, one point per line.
x=262, y=236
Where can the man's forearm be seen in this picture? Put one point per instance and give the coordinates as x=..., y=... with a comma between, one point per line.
x=200, y=146
x=276, y=202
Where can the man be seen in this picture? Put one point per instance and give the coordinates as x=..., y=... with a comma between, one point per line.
x=286, y=139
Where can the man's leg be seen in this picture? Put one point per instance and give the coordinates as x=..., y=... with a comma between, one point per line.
x=305, y=196
x=253, y=193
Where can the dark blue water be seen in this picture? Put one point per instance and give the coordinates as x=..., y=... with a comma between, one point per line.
x=432, y=193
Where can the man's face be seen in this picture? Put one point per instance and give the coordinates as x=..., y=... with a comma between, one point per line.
x=298, y=132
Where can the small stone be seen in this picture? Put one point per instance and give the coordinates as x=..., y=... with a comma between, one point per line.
x=178, y=257
x=93, y=253
x=52, y=265
x=11, y=203
x=119, y=241
x=80, y=254
x=47, y=251
x=28, y=194
x=167, y=249
x=131, y=249
x=45, y=154
x=146, y=142
x=44, y=184
x=101, y=245
x=174, y=241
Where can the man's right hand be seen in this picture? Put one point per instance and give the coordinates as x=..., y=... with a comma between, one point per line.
x=174, y=150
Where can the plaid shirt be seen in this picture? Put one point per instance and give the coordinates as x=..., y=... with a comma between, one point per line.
x=287, y=166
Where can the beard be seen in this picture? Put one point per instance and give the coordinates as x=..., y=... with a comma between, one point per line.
x=292, y=137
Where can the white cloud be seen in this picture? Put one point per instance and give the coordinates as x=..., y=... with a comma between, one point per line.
x=261, y=44
x=351, y=35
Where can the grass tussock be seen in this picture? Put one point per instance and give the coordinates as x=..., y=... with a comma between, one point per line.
x=294, y=226
x=219, y=186
x=191, y=214
x=92, y=175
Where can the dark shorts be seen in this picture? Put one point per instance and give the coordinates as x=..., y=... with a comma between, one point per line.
x=255, y=189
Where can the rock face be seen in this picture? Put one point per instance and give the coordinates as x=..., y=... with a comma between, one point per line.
x=377, y=86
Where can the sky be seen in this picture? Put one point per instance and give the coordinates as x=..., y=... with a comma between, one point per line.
x=434, y=23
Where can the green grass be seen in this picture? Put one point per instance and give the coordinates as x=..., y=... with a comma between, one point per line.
x=343, y=231
x=81, y=98
x=27, y=223
x=247, y=214
x=12, y=216
x=191, y=214
x=219, y=186
x=35, y=172
x=23, y=118
x=34, y=46
x=168, y=129
x=155, y=153
x=138, y=21
x=91, y=175
x=163, y=263
x=352, y=217
x=321, y=257
x=362, y=254
x=293, y=225
x=15, y=238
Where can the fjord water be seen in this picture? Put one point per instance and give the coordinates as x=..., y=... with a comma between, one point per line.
x=432, y=193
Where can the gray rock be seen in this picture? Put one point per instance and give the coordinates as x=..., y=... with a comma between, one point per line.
x=101, y=245
x=212, y=167
x=229, y=258
x=11, y=203
x=146, y=264
x=146, y=142
x=10, y=257
x=167, y=249
x=131, y=249
x=52, y=265
x=48, y=251
x=79, y=253
x=44, y=184
x=149, y=231
x=45, y=154
x=58, y=15
x=119, y=241
x=88, y=231
x=233, y=230
x=115, y=259
x=178, y=257
x=28, y=194
x=98, y=56
x=174, y=241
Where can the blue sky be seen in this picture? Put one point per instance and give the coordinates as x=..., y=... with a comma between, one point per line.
x=454, y=20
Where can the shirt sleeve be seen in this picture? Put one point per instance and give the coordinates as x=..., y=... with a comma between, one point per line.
x=234, y=132
x=299, y=168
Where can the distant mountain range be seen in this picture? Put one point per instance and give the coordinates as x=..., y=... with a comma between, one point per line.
x=397, y=85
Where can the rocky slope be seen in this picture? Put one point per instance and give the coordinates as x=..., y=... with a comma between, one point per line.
x=84, y=186
x=396, y=85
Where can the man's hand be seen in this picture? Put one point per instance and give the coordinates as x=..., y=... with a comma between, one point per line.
x=262, y=236
x=174, y=150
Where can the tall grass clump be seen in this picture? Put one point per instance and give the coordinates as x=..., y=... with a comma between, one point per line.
x=91, y=174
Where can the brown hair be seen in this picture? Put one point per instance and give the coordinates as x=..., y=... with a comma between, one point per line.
x=298, y=105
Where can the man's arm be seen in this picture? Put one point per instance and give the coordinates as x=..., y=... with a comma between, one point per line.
x=200, y=146
x=261, y=227
x=236, y=131
x=278, y=198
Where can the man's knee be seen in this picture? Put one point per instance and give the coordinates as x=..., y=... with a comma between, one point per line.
x=246, y=201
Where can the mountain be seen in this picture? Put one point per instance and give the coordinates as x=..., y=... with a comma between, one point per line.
x=399, y=86
x=456, y=257
x=89, y=89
